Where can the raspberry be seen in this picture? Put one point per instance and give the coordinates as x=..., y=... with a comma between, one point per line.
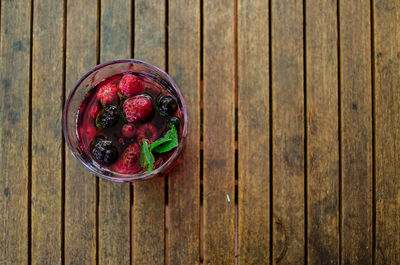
x=129, y=162
x=137, y=108
x=93, y=111
x=107, y=93
x=130, y=85
x=91, y=132
x=147, y=131
x=129, y=130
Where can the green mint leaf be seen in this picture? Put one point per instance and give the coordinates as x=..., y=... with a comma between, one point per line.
x=167, y=143
x=146, y=157
x=159, y=142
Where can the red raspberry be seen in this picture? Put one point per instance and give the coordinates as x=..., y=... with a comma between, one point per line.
x=90, y=132
x=130, y=85
x=137, y=109
x=107, y=93
x=129, y=162
x=129, y=130
x=147, y=131
x=93, y=111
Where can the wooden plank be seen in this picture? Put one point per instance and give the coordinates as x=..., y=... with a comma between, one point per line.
x=47, y=90
x=288, y=131
x=253, y=133
x=356, y=131
x=149, y=196
x=219, y=159
x=80, y=186
x=14, y=130
x=322, y=132
x=184, y=181
x=387, y=120
x=114, y=198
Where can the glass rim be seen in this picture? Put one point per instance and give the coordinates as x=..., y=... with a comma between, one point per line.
x=114, y=176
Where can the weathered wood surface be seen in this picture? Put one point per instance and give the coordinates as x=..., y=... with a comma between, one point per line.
x=114, y=198
x=317, y=89
x=253, y=133
x=322, y=132
x=288, y=131
x=356, y=132
x=80, y=186
x=387, y=130
x=148, y=210
x=47, y=182
x=184, y=182
x=14, y=130
x=219, y=159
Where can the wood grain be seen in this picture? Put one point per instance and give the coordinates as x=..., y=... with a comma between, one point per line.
x=288, y=131
x=80, y=186
x=114, y=198
x=149, y=196
x=219, y=159
x=47, y=90
x=253, y=133
x=322, y=132
x=14, y=130
x=387, y=122
x=356, y=130
x=184, y=181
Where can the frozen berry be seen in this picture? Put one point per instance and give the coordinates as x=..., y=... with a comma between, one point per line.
x=107, y=93
x=104, y=151
x=107, y=117
x=130, y=85
x=137, y=108
x=174, y=121
x=166, y=105
x=147, y=131
x=129, y=130
x=129, y=163
x=93, y=111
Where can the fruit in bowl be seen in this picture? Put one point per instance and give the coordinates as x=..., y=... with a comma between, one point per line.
x=129, y=124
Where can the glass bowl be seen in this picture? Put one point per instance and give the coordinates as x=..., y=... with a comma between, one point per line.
x=93, y=77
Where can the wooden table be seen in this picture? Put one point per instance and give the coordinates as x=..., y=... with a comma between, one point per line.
x=293, y=154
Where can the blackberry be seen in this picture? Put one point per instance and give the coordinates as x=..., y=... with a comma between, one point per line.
x=104, y=151
x=107, y=117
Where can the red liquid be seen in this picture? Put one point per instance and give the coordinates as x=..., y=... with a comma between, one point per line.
x=87, y=130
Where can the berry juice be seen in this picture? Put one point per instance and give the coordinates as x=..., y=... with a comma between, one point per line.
x=129, y=124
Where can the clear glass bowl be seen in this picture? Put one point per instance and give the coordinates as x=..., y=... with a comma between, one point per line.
x=93, y=77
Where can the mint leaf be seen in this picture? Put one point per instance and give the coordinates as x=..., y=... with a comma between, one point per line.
x=146, y=157
x=167, y=143
x=159, y=142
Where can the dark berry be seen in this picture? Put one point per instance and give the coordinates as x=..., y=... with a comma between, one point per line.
x=107, y=117
x=174, y=121
x=104, y=151
x=166, y=105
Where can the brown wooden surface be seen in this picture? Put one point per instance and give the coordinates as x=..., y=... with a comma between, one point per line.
x=288, y=131
x=46, y=131
x=356, y=132
x=80, y=186
x=14, y=131
x=253, y=133
x=183, y=221
x=114, y=198
x=292, y=155
x=322, y=132
x=148, y=209
x=387, y=130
